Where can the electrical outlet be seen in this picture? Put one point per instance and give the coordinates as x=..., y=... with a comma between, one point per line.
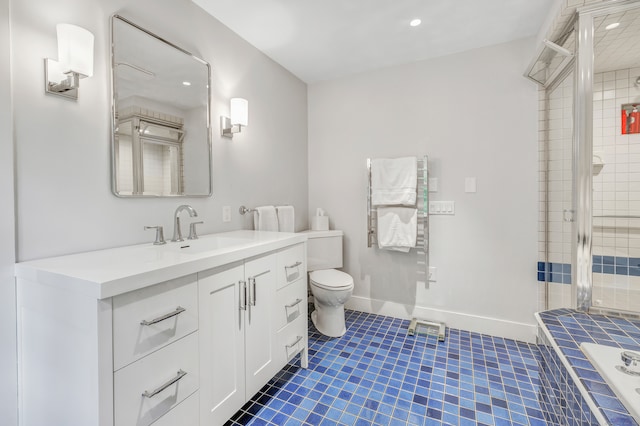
x=433, y=273
x=226, y=213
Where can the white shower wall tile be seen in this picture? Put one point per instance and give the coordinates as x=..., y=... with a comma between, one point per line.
x=559, y=295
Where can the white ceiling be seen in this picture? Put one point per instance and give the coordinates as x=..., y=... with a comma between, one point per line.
x=617, y=48
x=326, y=39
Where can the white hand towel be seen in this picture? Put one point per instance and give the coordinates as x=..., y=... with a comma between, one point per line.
x=265, y=219
x=286, y=218
x=393, y=181
x=397, y=228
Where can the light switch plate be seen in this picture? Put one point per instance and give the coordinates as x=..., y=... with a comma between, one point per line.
x=442, y=207
x=433, y=184
x=433, y=273
x=470, y=184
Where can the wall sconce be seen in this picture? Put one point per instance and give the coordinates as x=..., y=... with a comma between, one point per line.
x=75, y=61
x=238, y=117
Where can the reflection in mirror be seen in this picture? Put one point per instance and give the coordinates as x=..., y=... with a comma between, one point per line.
x=161, y=133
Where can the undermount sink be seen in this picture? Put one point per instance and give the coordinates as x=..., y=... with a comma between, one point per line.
x=204, y=244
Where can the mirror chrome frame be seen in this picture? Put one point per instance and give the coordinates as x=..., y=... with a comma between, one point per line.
x=114, y=121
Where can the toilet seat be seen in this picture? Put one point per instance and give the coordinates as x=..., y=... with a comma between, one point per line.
x=331, y=279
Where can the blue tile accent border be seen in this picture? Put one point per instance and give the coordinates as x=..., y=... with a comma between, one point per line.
x=554, y=272
x=560, y=273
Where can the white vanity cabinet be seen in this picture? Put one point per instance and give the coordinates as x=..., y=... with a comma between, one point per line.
x=241, y=346
x=236, y=345
x=289, y=316
x=155, y=350
x=148, y=335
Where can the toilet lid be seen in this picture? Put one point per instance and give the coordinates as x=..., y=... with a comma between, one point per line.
x=331, y=279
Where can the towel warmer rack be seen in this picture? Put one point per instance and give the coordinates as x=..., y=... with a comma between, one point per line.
x=422, y=204
x=422, y=241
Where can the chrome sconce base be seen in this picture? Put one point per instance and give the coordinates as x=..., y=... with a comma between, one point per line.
x=67, y=87
x=238, y=117
x=227, y=130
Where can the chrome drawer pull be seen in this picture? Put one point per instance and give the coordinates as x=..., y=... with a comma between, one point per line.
x=295, y=265
x=297, y=302
x=252, y=293
x=294, y=343
x=179, y=376
x=178, y=310
x=252, y=282
x=242, y=286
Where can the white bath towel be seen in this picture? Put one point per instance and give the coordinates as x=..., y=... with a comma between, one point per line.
x=397, y=228
x=286, y=218
x=393, y=181
x=265, y=219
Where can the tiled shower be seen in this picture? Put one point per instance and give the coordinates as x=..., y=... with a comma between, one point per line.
x=615, y=207
x=616, y=193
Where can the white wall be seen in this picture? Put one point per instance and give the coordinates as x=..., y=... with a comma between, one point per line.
x=8, y=371
x=64, y=199
x=475, y=116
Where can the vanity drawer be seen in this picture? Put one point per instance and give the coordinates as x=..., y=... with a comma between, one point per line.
x=291, y=264
x=291, y=340
x=162, y=373
x=291, y=303
x=184, y=414
x=169, y=311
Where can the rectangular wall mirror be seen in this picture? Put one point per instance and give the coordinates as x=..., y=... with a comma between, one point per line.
x=161, y=144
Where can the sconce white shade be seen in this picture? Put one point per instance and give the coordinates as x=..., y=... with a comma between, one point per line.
x=75, y=49
x=239, y=112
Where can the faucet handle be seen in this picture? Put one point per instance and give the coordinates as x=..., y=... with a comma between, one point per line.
x=193, y=235
x=159, y=235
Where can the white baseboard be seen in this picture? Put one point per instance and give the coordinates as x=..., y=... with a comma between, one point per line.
x=478, y=324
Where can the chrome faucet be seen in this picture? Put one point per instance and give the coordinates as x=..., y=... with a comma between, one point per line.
x=177, y=232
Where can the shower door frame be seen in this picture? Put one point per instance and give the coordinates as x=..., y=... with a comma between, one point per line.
x=582, y=229
x=567, y=69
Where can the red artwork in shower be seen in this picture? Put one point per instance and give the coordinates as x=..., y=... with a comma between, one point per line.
x=630, y=119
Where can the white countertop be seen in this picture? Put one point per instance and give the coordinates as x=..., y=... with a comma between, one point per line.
x=107, y=273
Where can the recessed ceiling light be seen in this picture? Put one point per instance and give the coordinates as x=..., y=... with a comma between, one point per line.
x=186, y=83
x=415, y=22
x=612, y=26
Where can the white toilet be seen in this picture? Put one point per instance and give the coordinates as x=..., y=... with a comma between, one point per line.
x=330, y=288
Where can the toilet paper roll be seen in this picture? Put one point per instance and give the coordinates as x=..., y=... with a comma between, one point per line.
x=320, y=223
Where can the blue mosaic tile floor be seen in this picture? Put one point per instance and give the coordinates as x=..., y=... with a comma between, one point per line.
x=569, y=328
x=378, y=375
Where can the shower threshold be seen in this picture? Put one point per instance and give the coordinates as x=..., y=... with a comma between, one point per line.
x=427, y=327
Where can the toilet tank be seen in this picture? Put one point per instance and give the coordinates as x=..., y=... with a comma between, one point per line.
x=324, y=249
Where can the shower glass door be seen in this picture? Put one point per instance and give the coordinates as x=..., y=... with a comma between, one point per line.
x=616, y=158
